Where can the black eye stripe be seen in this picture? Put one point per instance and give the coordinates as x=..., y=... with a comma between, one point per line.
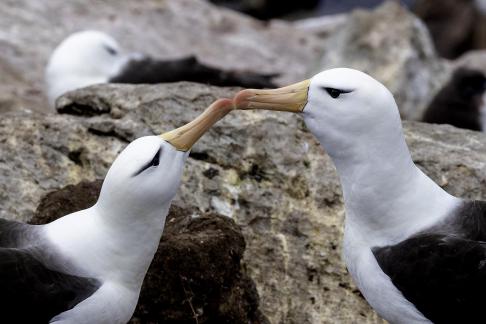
x=335, y=93
x=110, y=50
x=154, y=162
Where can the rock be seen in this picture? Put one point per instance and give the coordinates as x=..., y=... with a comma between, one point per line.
x=191, y=277
x=42, y=153
x=162, y=29
x=452, y=157
x=262, y=169
x=394, y=47
x=473, y=60
x=67, y=200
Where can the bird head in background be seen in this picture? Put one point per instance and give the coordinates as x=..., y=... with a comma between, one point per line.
x=83, y=58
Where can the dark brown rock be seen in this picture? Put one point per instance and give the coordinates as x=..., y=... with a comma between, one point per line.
x=71, y=198
x=196, y=273
x=195, y=277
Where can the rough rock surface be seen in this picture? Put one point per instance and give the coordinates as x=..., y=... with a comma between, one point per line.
x=263, y=169
x=67, y=200
x=191, y=279
x=393, y=46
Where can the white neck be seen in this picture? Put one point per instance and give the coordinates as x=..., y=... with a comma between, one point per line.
x=108, y=249
x=387, y=198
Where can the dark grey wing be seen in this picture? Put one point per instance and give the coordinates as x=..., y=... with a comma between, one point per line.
x=152, y=71
x=444, y=276
x=14, y=234
x=29, y=291
x=32, y=293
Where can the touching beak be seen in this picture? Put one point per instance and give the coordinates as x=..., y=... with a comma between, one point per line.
x=290, y=98
x=184, y=137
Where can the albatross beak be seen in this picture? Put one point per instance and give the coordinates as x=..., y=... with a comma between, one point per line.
x=184, y=137
x=290, y=98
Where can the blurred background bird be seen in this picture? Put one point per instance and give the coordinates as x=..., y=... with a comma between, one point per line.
x=93, y=57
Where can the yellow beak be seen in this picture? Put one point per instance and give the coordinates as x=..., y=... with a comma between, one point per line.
x=184, y=137
x=290, y=98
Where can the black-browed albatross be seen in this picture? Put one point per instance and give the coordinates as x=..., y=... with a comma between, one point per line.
x=417, y=253
x=87, y=267
x=92, y=57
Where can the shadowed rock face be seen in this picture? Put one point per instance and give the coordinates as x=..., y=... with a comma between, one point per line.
x=196, y=272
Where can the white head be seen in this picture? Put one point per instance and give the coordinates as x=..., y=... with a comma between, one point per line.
x=481, y=6
x=84, y=58
x=143, y=180
x=347, y=110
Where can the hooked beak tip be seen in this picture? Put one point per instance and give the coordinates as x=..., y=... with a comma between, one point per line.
x=223, y=104
x=242, y=99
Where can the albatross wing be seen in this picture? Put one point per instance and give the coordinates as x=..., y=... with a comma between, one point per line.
x=30, y=292
x=443, y=271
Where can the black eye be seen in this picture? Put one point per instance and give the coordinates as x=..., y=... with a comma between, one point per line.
x=154, y=162
x=110, y=50
x=334, y=93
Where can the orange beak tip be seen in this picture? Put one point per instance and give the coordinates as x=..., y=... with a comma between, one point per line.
x=223, y=104
x=241, y=100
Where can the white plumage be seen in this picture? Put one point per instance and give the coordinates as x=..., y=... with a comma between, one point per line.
x=84, y=58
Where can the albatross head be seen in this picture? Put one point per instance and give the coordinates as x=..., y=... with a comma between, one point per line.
x=347, y=110
x=146, y=175
x=356, y=120
x=83, y=58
